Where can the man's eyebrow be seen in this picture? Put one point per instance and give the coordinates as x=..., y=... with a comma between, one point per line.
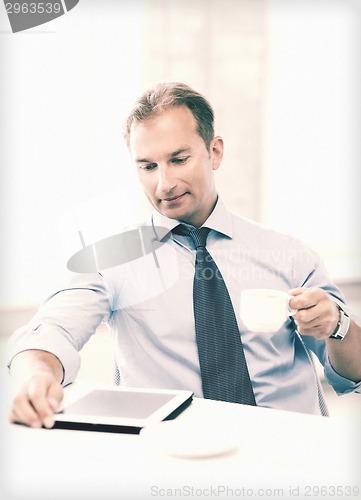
x=179, y=152
x=142, y=160
x=170, y=155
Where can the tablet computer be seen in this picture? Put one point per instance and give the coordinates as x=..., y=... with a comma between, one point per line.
x=121, y=409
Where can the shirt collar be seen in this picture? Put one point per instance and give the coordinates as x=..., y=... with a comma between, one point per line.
x=220, y=220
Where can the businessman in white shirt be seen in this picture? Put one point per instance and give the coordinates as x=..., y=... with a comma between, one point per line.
x=170, y=135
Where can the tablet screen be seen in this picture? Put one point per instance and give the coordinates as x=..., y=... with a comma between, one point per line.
x=103, y=403
x=118, y=409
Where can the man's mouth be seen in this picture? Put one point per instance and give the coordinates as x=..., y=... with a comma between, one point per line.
x=173, y=199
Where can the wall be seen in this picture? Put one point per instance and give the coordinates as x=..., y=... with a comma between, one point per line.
x=283, y=79
x=312, y=126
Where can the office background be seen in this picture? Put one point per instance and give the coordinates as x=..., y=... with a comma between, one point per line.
x=284, y=81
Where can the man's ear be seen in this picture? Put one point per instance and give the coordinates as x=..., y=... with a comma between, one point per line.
x=216, y=151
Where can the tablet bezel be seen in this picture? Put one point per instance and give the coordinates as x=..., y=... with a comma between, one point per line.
x=180, y=399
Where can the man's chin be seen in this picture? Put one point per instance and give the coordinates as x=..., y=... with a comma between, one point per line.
x=172, y=213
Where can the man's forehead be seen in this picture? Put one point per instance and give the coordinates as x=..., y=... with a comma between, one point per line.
x=167, y=133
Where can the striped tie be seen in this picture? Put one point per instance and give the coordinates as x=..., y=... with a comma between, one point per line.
x=223, y=365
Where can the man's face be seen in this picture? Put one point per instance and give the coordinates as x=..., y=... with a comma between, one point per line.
x=174, y=167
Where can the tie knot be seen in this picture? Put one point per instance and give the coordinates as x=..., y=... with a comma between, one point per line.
x=199, y=236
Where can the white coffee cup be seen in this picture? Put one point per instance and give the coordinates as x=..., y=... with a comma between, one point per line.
x=265, y=310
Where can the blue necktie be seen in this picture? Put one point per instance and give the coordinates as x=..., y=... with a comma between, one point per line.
x=223, y=365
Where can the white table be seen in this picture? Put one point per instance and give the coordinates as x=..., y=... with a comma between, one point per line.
x=278, y=455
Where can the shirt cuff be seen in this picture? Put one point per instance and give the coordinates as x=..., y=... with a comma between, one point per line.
x=50, y=339
x=340, y=384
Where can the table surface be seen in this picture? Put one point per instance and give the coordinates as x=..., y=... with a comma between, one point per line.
x=276, y=454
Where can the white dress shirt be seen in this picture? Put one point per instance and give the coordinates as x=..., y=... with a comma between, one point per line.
x=148, y=305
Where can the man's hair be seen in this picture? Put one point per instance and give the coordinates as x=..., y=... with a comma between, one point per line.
x=165, y=95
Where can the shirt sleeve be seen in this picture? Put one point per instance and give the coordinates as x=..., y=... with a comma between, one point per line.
x=311, y=272
x=65, y=322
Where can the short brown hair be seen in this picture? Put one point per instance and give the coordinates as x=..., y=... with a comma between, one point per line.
x=165, y=95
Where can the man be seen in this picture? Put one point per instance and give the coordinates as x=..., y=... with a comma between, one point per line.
x=150, y=308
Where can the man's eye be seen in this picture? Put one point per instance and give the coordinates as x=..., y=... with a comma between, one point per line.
x=148, y=166
x=179, y=161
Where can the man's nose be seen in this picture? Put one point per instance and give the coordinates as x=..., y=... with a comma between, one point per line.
x=166, y=181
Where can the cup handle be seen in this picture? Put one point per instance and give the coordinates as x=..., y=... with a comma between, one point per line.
x=291, y=312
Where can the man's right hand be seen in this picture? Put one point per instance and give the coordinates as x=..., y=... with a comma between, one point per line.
x=36, y=377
